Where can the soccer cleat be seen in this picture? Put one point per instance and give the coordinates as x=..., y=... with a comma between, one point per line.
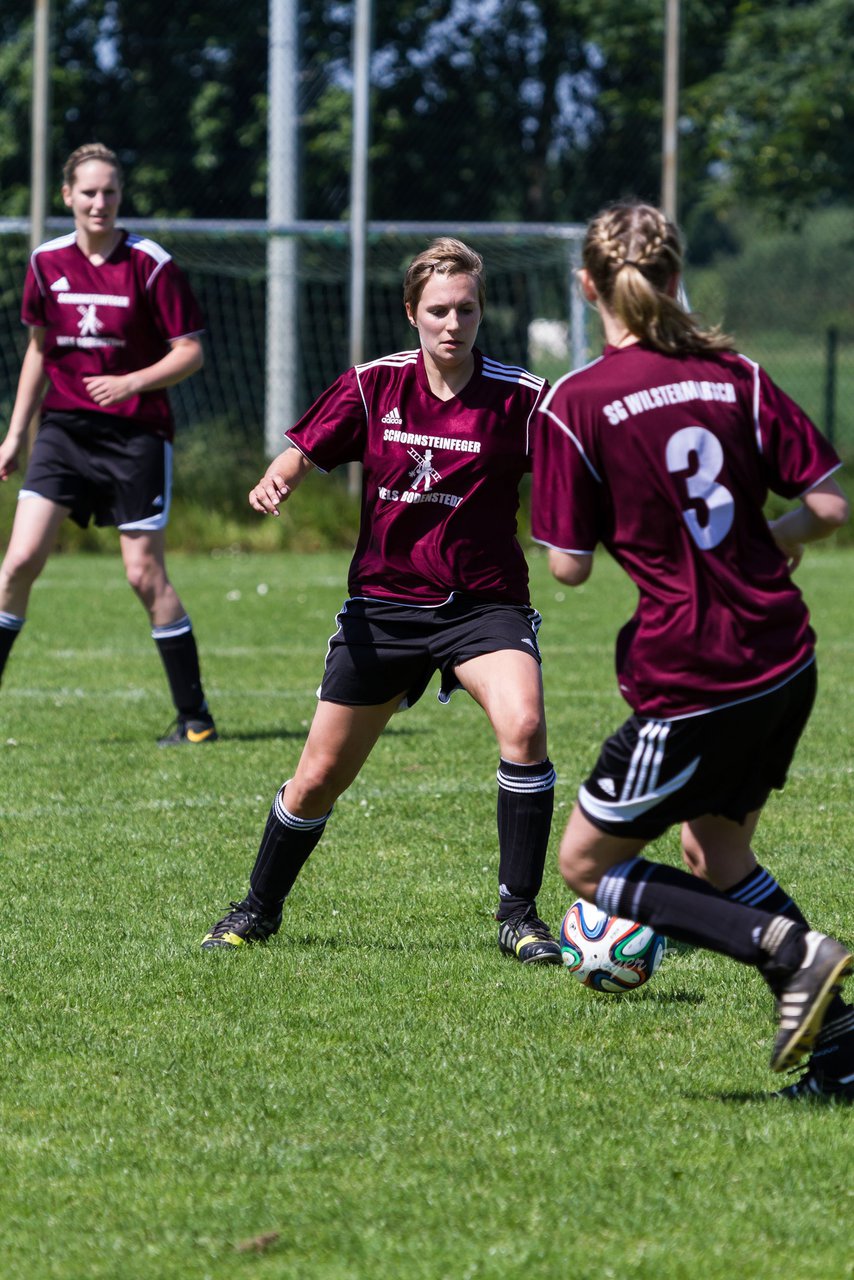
x=526, y=937
x=804, y=997
x=240, y=926
x=815, y=1086
x=190, y=729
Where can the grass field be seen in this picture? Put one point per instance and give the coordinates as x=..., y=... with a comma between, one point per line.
x=378, y=1094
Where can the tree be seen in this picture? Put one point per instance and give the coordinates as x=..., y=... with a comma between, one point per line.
x=479, y=112
x=482, y=109
x=178, y=91
x=539, y=110
x=776, y=120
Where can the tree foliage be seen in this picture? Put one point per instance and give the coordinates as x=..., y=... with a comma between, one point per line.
x=481, y=109
x=177, y=90
x=778, y=118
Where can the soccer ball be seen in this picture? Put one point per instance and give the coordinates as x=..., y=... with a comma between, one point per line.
x=607, y=953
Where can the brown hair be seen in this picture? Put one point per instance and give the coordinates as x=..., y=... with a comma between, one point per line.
x=632, y=252
x=444, y=257
x=91, y=151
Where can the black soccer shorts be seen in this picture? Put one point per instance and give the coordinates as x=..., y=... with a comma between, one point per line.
x=653, y=774
x=383, y=650
x=99, y=465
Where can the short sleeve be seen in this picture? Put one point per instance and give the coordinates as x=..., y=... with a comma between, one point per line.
x=334, y=430
x=796, y=454
x=176, y=311
x=32, y=303
x=566, y=492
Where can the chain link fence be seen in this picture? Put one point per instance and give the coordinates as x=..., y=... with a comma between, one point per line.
x=797, y=320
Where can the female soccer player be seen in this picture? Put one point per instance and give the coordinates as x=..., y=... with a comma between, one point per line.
x=113, y=324
x=438, y=581
x=663, y=449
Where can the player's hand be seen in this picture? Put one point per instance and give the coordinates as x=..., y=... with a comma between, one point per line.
x=8, y=461
x=790, y=547
x=794, y=555
x=106, y=389
x=268, y=494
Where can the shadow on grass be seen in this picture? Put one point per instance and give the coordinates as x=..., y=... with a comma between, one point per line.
x=672, y=997
x=746, y=1097
x=272, y=735
x=262, y=735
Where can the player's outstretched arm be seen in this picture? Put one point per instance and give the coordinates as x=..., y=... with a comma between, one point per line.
x=279, y=481
x=823, y=510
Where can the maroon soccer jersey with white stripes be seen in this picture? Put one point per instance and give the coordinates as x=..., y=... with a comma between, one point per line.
x=668, y=461
x=110, y=318
x=440, y=489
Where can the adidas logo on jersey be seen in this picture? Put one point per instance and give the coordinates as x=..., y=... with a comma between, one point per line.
x=61, y=285
x=393, y=418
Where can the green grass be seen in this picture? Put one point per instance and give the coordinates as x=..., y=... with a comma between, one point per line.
x=378, y=1093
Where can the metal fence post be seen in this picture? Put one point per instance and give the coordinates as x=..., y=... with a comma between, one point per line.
x=832, y=349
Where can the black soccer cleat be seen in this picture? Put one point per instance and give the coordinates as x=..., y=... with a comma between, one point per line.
x=815, y=1086
x=804, y=997
x=191, y=730
x=239, y=927
x=527, y=937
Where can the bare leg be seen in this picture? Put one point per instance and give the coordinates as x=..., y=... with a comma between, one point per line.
x=508, y=685
x=339, y=742
x=144, y=556
x=36, y=524
x=718, y=850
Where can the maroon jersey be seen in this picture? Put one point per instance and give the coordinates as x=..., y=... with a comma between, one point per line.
x=668, y=461
x=108, y=319
x=440, y=485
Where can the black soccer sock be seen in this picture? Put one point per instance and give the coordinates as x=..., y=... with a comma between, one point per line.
x=834, y=1049
x=10, y=629
x=760, y=889
x=688, y=909
x=285, y=846
x=177, y=647
x=526, y=794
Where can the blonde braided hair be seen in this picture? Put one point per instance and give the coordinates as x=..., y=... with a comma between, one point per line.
x=632, y=252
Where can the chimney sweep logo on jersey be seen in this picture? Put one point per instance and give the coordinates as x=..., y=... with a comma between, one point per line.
x=423, y=472
x=423, y=469
x=89, y=324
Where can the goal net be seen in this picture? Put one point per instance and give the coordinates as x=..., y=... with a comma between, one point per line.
x=533, y=316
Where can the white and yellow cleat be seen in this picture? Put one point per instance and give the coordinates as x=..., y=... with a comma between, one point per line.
x=239, y=927
x=528, y=938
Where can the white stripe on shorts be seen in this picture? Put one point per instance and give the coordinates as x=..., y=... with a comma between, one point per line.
x=643, y=773
x=628, y=810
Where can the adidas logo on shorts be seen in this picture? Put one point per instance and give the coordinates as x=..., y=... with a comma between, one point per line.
x=393, y=418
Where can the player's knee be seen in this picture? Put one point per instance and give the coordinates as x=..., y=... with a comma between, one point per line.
x=525, y=740
x=145, y=581
x=21, y=568
x=576, y=870
x=312, y=791
x=692, y=856
x=138, y=579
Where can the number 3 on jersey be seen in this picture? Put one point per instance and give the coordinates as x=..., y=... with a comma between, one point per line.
x=695, y=455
